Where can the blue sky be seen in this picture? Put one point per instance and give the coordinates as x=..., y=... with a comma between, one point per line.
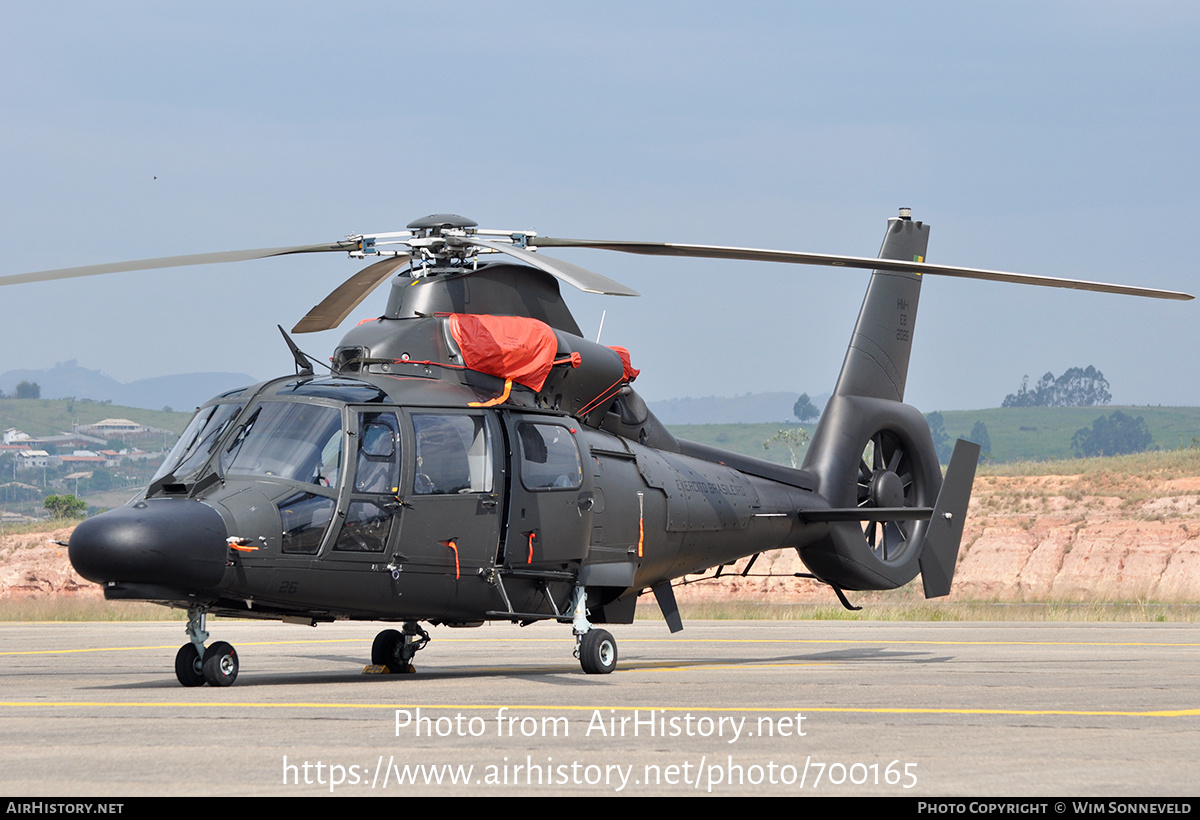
x=1057, y=139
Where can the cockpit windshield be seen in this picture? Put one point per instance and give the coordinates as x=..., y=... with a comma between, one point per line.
x=294, y=441
x=197, y=442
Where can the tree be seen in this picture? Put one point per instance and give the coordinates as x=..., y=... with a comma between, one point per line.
x=804, y=409
x=1112, y=436
x=1082, y=388
x=1078, y=387
x=941, y=441
x=794, y=439
x=29, y=390
x=65, y=506
x=979, y=435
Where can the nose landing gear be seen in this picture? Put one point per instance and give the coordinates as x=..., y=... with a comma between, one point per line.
x=196, y=665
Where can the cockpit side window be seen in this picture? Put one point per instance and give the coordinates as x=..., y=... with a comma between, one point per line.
x=378, y=454
x=305, y=517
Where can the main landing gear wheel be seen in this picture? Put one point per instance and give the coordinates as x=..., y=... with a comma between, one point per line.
x=597, y=652
x=395, y=649
x=220, y=664
x=189, y=668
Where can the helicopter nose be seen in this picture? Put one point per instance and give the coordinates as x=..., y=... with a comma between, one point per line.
x=168, y=542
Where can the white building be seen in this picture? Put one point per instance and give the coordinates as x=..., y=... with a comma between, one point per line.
x=27, y=459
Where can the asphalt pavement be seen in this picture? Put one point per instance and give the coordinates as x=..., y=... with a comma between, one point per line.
x=722, y=708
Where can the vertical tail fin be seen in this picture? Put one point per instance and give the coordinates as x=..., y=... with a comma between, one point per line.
x=870, y=449
x=876, y=364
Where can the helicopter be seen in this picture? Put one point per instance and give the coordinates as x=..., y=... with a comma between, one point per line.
x=471, y=457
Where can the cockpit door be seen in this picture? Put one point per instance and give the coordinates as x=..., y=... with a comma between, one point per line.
x=369, y=497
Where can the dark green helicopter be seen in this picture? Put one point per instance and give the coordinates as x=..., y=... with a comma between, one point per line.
x=471, y=457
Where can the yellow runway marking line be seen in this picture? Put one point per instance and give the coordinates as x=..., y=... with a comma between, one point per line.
x=872, y=710
x=174, y=646
x=666, y=640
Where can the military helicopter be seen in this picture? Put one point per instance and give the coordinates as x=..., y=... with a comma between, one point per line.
x=471, y=457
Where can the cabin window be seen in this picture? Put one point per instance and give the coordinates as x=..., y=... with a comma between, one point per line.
x=454, y=455
x=549, y=458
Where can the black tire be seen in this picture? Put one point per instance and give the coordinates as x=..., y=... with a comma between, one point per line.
x=598, y=652
x=189, y=669
x=385, y=651
x=220, y=664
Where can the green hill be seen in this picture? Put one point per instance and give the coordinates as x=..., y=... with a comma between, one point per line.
x=1017, y=433
x=1040, y=433
x=49, y=417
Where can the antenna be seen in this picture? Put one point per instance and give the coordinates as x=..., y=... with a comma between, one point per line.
x=600, y=329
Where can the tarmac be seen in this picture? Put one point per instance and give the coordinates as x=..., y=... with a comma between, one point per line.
x=816, y=708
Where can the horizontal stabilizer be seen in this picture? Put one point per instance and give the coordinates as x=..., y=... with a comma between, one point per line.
x=939, y=554
x=868, y=514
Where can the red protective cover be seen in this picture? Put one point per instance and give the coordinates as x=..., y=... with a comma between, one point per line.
x=630, y=372
x=511, y=347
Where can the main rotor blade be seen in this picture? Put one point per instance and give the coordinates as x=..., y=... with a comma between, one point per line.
x=582, y=278
x=867, y=263
x=335, y=307
x=174, y=262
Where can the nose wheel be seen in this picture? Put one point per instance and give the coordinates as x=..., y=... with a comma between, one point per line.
x=195, y=665
x=189, y=666
x=220, y=664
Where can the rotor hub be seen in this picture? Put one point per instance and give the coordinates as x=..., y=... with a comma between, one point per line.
x=436, y=223
x=887, y=489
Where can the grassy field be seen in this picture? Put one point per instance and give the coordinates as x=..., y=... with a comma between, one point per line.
x=1154, y=465
x=746, y=439
x=899, y=608
x=1040, y=433
x=924, y=611
x=1017, y=433
x=49, y=417
x=58, y=608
